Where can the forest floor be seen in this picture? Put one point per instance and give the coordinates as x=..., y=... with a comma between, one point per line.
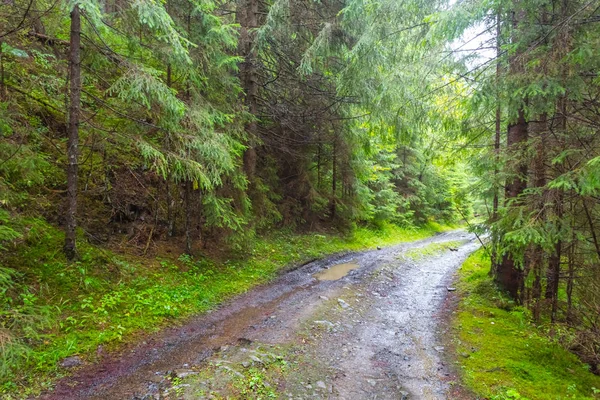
x=358, y=326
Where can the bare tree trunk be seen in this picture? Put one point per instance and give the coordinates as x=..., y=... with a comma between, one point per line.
x=319, y=164
x=70, y=247
x=188, y=216
x=332, y=205
x=553, y=278
x=570, y=279
x=2, y=85
x=536, y=291
x=199, y=216
x=170, y=211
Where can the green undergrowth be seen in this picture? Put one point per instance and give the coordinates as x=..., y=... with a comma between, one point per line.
x=502, y=355
x=51, y=309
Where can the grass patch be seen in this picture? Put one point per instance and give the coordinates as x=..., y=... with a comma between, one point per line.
x=502, y=355
x=50, y=309
x=431, y=249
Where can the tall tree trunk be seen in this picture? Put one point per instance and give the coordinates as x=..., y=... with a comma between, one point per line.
x=553, y=278
x=508, y=274
x=562, y=48
x=497, y=136
x=247, y=17
x=570, y=279
x=553, y=272
x=2, y=85
x=70, y=247
x=332, y=205
x=498, y=133
x=171, y=215
x=187, y=189
x=539, y=134
x=319, y=164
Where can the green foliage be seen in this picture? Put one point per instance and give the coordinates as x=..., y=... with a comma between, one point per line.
x=501, y=354
x=254, y=386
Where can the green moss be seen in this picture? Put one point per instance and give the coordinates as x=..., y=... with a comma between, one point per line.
x=52, y=309
x=502, y=355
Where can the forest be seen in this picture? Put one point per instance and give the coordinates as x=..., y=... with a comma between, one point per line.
x=160, y=156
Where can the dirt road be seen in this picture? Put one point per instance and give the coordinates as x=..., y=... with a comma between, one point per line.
x=359, y=326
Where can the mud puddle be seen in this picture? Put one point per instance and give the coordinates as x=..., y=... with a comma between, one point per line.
x=360, y=333
x=337, y=271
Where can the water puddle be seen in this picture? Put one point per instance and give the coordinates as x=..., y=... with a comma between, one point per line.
x=337, y=271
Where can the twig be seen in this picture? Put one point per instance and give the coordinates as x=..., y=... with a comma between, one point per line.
x=148, y=241
x=471, y=227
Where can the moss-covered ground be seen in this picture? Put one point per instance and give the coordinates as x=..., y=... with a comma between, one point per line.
x=51, y=309
x=502, y=355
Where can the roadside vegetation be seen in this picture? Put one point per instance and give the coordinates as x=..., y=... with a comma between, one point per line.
x=158, y=128
x=501, y=354
x=60, y=309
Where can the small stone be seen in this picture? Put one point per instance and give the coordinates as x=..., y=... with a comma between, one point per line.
x=406, y=358
x=324, y=297
x=182, y=373
x=343, y=304
x=403, y=395
x=451, y=289
x=325, y=322
x=439, y=348
x=372, y=382
x=246, y=364
x=71, y=362
x=321, y=385
x=378, y=247
x=256, y=359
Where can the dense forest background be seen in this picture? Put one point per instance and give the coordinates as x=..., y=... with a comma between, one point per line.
x=144, y=126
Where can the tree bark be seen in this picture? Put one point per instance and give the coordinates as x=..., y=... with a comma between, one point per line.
x=319, y=164
x=539, y=133
x=508, y=275
x=332, y=206
x=497, y=136
x=2, y=85
x=70, y=247
x=187, y=189
x=247, y=17
x=553, y=279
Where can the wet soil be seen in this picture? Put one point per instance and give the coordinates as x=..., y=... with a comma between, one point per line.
x=355, y=326
x=337, y=271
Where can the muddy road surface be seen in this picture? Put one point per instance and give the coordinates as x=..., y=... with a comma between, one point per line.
x=355, y=326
